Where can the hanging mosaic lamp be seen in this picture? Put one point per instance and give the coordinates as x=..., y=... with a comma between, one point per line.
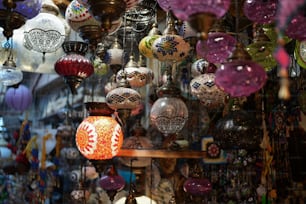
x=135, y=75
x=202, y=66
x=115, y=56
x=123, y=99
x=13, y=14
x=74, y=66
x=82, y=21
x=240, y=76
x=261, y=50
x=169, y=113
x=137, y=140
x=238, y=130
x=45, y=33
x=18, y=98
x=204, y=88
x=99, y=136
x=145, y=44
x=200, y=14
x=218, y=46
x=260, y=11
x=170, y=46
x=111, y=182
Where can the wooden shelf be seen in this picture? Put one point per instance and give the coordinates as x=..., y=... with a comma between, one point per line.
x=161, y=153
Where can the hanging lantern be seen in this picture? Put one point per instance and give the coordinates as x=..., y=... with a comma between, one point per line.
x=202, y=66
x=296, y=27
x=9, y=74
x=82, y=21
x=123, y=99
x=45, y=33
x=145, y=44
x=170, y=46
x=13, y=14
x=111, y=182
x=218, y=46
x=261, y=50
x=260, y=11
x=115, y=56
x=137, y=140
x=240, y=76
x=74, y=66
x=169, y=113
x=135, y=75
x=200, y=14
x=204, y=88
x=99, y=136
x=238, y=130
x=18, y=98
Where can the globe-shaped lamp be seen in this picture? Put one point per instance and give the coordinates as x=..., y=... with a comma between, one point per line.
x=169, y=113
x=99, y=136
x=18, y=98
x=260, y=11
x=240, y=76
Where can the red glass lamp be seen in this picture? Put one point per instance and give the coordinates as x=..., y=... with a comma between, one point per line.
x=99, y=136
x=74, y=66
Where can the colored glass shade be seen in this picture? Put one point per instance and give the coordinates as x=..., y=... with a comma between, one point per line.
x=260, y=11
x=74, y=66
x=296, y=28
x=99, y=136
x=19, y=98
x=183, y=9
x=27, y=8
x=202, y=66
x=197, y=186
x=240, y=76
x=217, y=48
x=145, y=44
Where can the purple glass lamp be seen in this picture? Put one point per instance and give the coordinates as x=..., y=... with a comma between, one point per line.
x=260, y=11
x=200, y=14
x=13, y=14
x=218, y=46
x=297, y=27
x=111, y=182
x=240, y=76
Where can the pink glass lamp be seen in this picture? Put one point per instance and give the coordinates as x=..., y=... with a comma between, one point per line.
x=240, y=76
x=260, y=11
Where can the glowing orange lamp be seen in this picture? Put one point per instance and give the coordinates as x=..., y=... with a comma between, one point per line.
x=99, y=136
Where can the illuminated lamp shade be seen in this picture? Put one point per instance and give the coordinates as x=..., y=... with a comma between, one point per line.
x=218, y=46
x=238, y=130
x=296, y=28
x=169, y=113
x=240, y=76
x=145, y=44
x=261, y=50
x=135, y=75
x=45, y=33
x=170, y=46
x=18, y=98
x=74, y=66
x=200, y=14
x=115, y=56
x=260, y=11
x=99, y=136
